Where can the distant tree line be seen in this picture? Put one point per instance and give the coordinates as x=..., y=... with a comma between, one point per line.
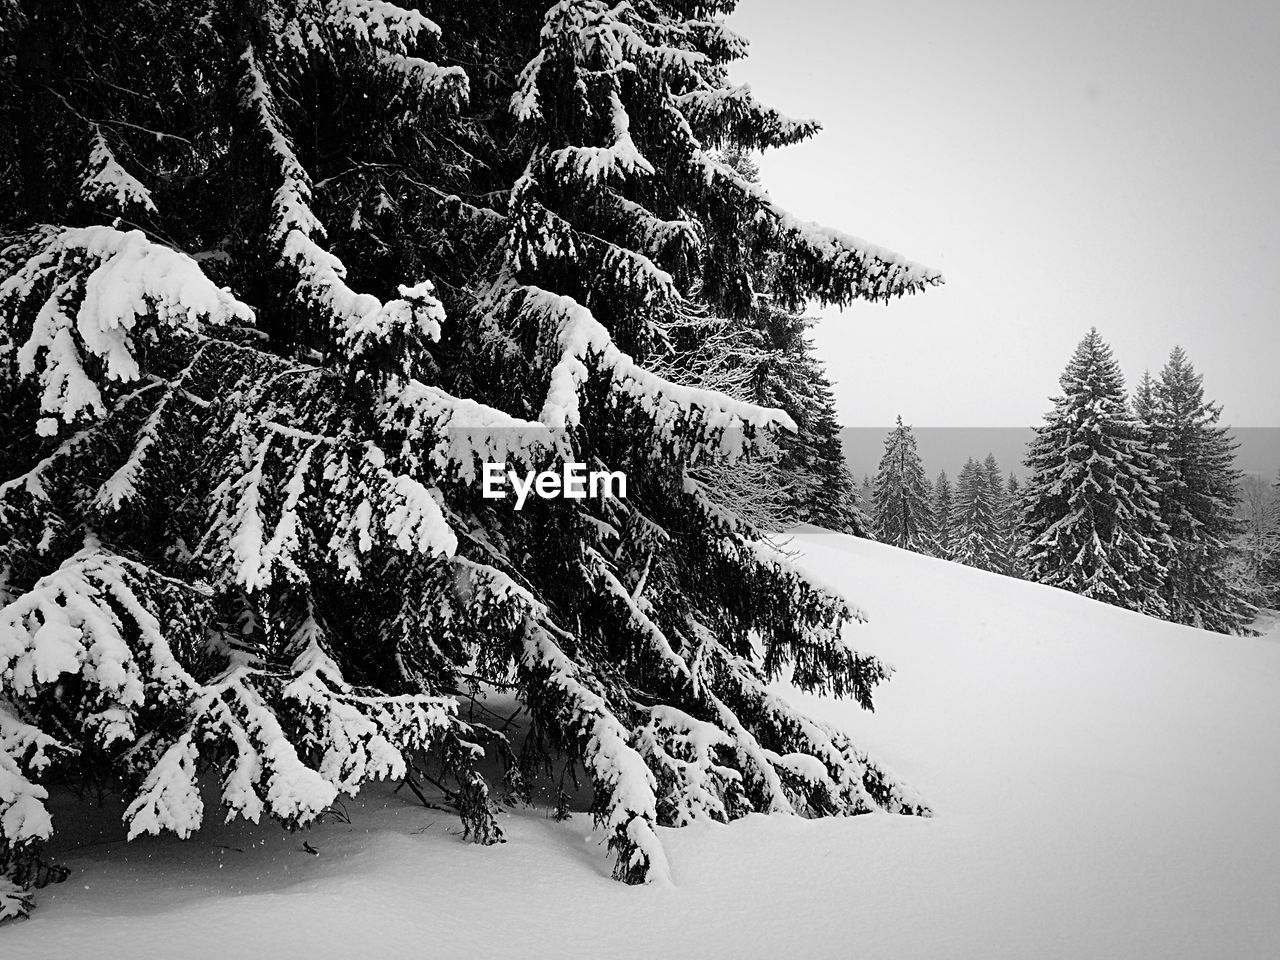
x=1132, y=500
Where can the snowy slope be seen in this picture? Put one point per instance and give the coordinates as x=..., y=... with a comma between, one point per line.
x=1105, y=785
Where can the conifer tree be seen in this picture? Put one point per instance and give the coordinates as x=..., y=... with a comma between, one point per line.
x=943, y=510
x=903, y=512
x=1269, y=572
x=974, y=531
x=1002, y=537
x=268, y=305
x=1091, y=521
x=1198, y=490
x=1144, y=397
x=1011, y=525
x=827, y=497
x=1259, y=541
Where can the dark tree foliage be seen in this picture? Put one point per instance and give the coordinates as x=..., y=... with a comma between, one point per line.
x=277, y=280
x=828, y=496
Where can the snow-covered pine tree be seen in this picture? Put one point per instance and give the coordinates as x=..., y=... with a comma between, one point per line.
x=1198, y=484
x=903, y=512
x=1091, y=521
x=1144, y=397
x=1002, y=538
x=269, y=303
x=829, y=497
x=974, y=533
x=1011, y=521
x=1259, y=540
x=943, y=510
x=1269, y=574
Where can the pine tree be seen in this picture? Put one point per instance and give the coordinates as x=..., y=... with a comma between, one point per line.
x=1259, y=541
x=1011, y=525
x=1144, y=397
x=974, y=532
x=1091, y=521
x=270, y=303
x=943, y=511
x=903, y=512
x=1198, y=490
x=1269, y=568
x=1002, y=536
x=828, y=496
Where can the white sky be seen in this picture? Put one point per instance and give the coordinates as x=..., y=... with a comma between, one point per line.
x=1063, y=164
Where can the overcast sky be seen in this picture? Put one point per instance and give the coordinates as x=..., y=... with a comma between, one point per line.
x=1063, y=164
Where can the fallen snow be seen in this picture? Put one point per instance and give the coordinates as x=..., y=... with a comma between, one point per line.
x=1104, y=785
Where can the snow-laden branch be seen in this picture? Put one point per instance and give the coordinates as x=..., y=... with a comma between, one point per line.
x=360, y=320
x=722, y=425
x=832, y=265
x=92, y=290
x=454, y=436
x=107, y=182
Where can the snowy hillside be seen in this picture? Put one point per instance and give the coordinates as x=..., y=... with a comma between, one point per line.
x=1105, y=785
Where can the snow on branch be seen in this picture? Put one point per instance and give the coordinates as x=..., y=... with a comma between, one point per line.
x=92, y=290
x=654, y=640
x=720, y=424
x=655, y=235
x=24, y=750
x=365, y=504
x=454, y=436
x=107, y=182
x=123, y=485
x=814, y=763
x=356, y=737
x=429, y=82
x=377, y=22
x=625, y=804
x=828, y=264
x=604, y=39
x=720, y=42
x=262, y=769
x=79, y=620
x=28, y=492
x=360, y=320
x=538, y=237
x=596, y=165
x=287, y=741
x=732, y=115
x=686, y=756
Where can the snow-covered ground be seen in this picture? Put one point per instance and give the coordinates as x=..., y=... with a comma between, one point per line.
x=1105, y=785
x=1268, y=624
